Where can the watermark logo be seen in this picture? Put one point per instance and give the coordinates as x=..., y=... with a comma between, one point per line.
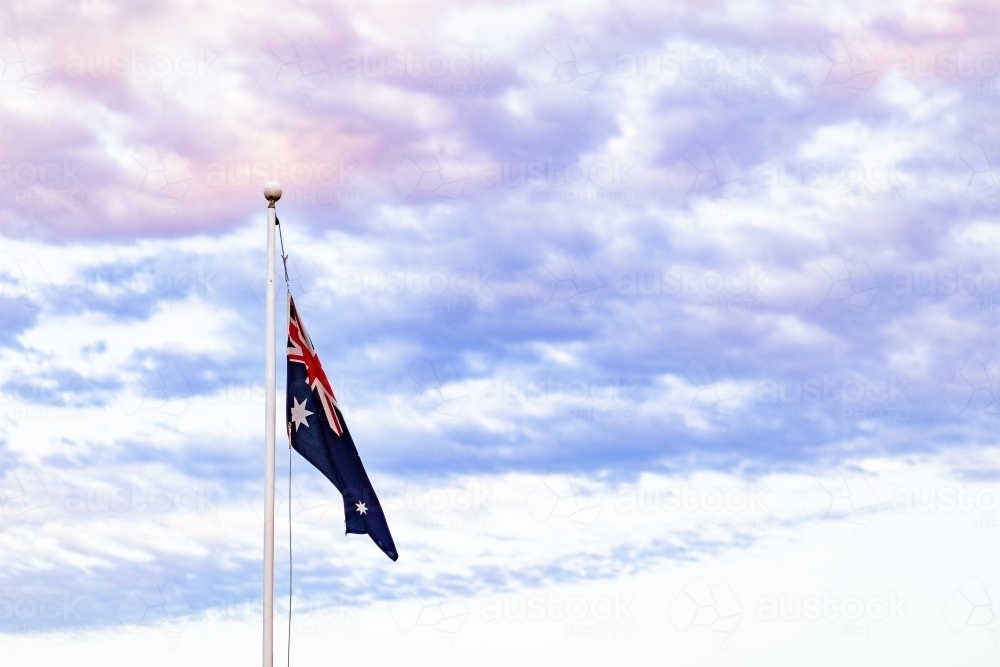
x=297, y=64
x=23, y=64
x=431, y=610
x=860, y=398
x=973, y=389
x=839, y=62
x=51, y=182
x=732, y=291
x=148, y=604
x=24, y=499
x=589, y=617
x=947, y=65
x=701, y=604
x=443, y=290
x=971, y=172
x=430, y=390
x=183, y=507
x=877, y=179
x=730, y=73
x=310, y=507
x=465, y=508
x=706, y=394
x=972, y=607
x=187, y=289
x=560, y=63
x=835, y=278
x=326, y=182
x=462, y=73
x=43, y=397
x=847, y=497
x=162, y=388
x=154, y=172
x=244, y=393
x=329, y=624
x=702, y=171
x=596, y=401
x=28, y=613
x=577, y=501
x=24, y=279
x=964, y=499
x=425, y=170
x=180, y=74
x=560, y=278
x=721, y=507
x=874, y=617
x=598, y=179
x=309, y=283
x=136, y=64
x=947, y=282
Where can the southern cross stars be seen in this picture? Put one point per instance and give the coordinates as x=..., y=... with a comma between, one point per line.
x=361, y=508
x=299, y=413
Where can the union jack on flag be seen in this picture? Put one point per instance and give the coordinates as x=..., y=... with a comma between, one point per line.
x=301, y=350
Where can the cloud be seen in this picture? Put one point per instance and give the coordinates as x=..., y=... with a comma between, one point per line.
x=612, y=255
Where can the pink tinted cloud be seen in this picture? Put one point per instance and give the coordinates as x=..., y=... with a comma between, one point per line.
x=166, y=119
x=129, y=124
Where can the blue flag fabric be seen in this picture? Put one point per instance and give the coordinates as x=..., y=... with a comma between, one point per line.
x=317, y=431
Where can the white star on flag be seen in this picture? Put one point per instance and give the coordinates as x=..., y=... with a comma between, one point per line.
x=361, y=508
x=299, y=413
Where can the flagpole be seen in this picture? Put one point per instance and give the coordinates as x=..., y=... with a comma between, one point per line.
x=272, y=192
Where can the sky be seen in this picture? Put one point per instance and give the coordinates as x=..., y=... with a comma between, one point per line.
x=664, y=331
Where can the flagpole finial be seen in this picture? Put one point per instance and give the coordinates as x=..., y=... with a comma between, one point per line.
x=272, y=192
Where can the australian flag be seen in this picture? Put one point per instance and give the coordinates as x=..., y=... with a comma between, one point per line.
x=317, y=431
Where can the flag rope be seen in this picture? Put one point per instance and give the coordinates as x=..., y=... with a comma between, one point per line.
x=284, y=257
x=288, y=289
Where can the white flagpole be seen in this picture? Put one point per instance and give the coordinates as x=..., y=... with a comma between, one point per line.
x=272, y=192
